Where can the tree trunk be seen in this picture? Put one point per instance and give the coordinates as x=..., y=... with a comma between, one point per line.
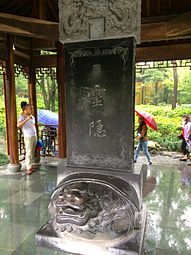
x=48, y=88
x=53, y=89
x=175, y=89
x=44, y=93
x=156, y=93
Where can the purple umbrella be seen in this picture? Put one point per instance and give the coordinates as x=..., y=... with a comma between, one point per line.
x=47, y=117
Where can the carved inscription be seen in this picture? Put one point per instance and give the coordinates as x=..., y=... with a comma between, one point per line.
x=87, y=19
x=96, y=129
x=94, y=94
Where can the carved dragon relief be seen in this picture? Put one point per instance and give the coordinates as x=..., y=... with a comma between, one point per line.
x=96, y=208
x=122, y=18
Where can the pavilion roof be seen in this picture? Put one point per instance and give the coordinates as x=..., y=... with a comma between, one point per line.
x=35, y=24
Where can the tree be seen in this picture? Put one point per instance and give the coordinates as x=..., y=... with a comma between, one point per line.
x=21, y=83
x=184, y=83
x=1, y=85
x=155, y=76
x=175, y=88
x=48, y=86
x=48, y=89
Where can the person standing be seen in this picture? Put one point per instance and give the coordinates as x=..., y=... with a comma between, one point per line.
x=142, y=140
x=27, y=123
x=185, y=136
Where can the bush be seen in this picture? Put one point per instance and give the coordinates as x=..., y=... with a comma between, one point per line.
x=169, y=124
x=3, y=159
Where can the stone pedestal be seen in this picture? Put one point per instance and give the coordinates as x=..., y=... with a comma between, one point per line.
x=96, y=213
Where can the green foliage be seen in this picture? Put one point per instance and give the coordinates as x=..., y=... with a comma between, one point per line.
x=169, y=121
x=184, y=86
x=3, y=159
x=165, y=77
x=169, y=125
x=1, y=85
x=2, y=118
x=21, y=84
x=152, y=75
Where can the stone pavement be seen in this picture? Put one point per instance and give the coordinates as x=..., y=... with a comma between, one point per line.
x=166, y=157
x=24, y=207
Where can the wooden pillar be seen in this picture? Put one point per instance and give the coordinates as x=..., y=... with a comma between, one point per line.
x=7, y=110
x=32, y=88
x=11, y=114
x=61, y=101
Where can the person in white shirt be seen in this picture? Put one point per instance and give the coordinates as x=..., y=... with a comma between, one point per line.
x=27, y=123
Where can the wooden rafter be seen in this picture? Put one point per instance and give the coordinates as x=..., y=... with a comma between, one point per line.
x=20, y=6
x=34, y=9
x=42, y=9
x=41, y=61
x=39, y=44
x=164, y=52
x=10, y=4
x=177, y=27
x=52, y=8
x=180, y=25
x=153, y=31
x=29, y=27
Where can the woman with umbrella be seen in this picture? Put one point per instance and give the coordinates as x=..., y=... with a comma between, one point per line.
x=144, y=119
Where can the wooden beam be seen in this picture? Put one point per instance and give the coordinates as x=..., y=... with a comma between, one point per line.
x=165, y=52
x=29, y=27
x=39, y=44
x=14, y=30
x=21, y=54
x=22, y=42
x=45, y=61
x=180, y=25
x=39, y=61
x=153, y=32
x=21, y=61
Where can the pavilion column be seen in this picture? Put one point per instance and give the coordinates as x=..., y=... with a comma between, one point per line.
x=7, y=110
x=32, y=88
x=61, y=101
x=11, y=112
